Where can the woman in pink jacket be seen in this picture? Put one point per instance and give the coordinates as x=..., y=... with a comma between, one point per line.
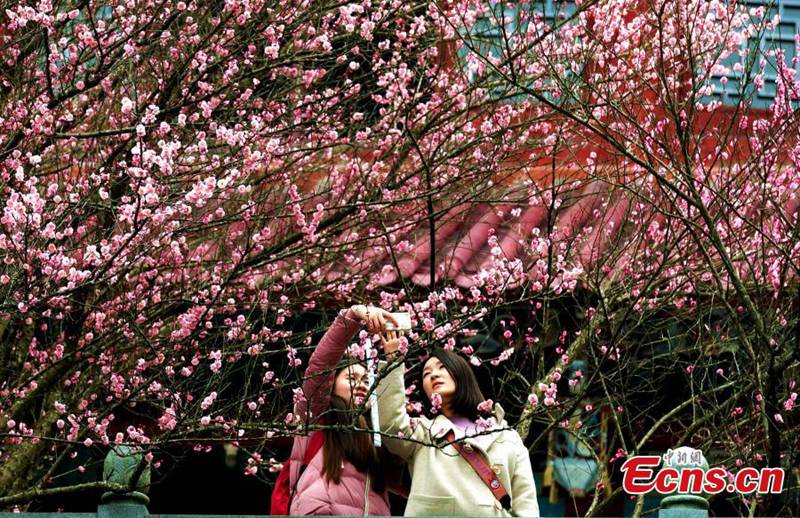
x=348, y=475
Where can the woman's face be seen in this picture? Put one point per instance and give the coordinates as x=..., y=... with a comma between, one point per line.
x=437, y=379
x=351, y=384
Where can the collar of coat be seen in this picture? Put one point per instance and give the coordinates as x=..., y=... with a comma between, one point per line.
x=441, y=425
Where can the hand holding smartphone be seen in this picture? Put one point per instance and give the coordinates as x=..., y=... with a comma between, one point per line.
x=403, y=322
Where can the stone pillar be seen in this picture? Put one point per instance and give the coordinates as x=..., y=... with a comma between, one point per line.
x=122, y=464
x=684, y=505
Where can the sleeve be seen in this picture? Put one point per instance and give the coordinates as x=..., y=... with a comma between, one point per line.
x=523, y=487
x=404, y=439
x=320, y=373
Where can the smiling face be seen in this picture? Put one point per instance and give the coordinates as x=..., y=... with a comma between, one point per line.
x=351, y=384
x=437, y=379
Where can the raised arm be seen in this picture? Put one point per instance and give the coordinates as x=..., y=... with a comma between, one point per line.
x=321, y=370
x=394, y=420
x=404, y=438
x=320, y=373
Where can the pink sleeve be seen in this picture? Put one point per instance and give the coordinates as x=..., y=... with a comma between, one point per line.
x=319, y=376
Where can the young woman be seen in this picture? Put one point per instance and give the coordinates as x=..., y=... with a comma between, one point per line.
x=443, y=482
x=348, y=475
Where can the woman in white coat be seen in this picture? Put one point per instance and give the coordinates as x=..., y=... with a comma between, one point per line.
x=443, y=481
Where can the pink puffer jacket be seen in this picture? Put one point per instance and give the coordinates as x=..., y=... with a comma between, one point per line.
x=315, y=494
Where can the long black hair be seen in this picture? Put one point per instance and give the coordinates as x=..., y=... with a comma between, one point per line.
x=468, y=393
x=354, y=446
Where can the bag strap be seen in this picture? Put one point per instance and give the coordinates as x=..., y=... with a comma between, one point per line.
x=482, y=468
x=315, y=443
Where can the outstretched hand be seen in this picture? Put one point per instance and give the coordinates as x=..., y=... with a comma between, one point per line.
x=391, y=342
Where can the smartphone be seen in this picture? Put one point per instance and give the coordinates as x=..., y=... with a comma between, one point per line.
x=403, y=322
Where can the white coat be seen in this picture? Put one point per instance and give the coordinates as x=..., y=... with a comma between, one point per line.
x=442, y=482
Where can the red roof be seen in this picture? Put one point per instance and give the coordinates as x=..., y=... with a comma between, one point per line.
x=590, y=220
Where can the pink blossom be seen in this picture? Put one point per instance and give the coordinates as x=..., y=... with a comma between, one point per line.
x=208, y=401
x=486, y=406
x=436, y=402
x=127, y=105
x=402, y=345
x=483, y=424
